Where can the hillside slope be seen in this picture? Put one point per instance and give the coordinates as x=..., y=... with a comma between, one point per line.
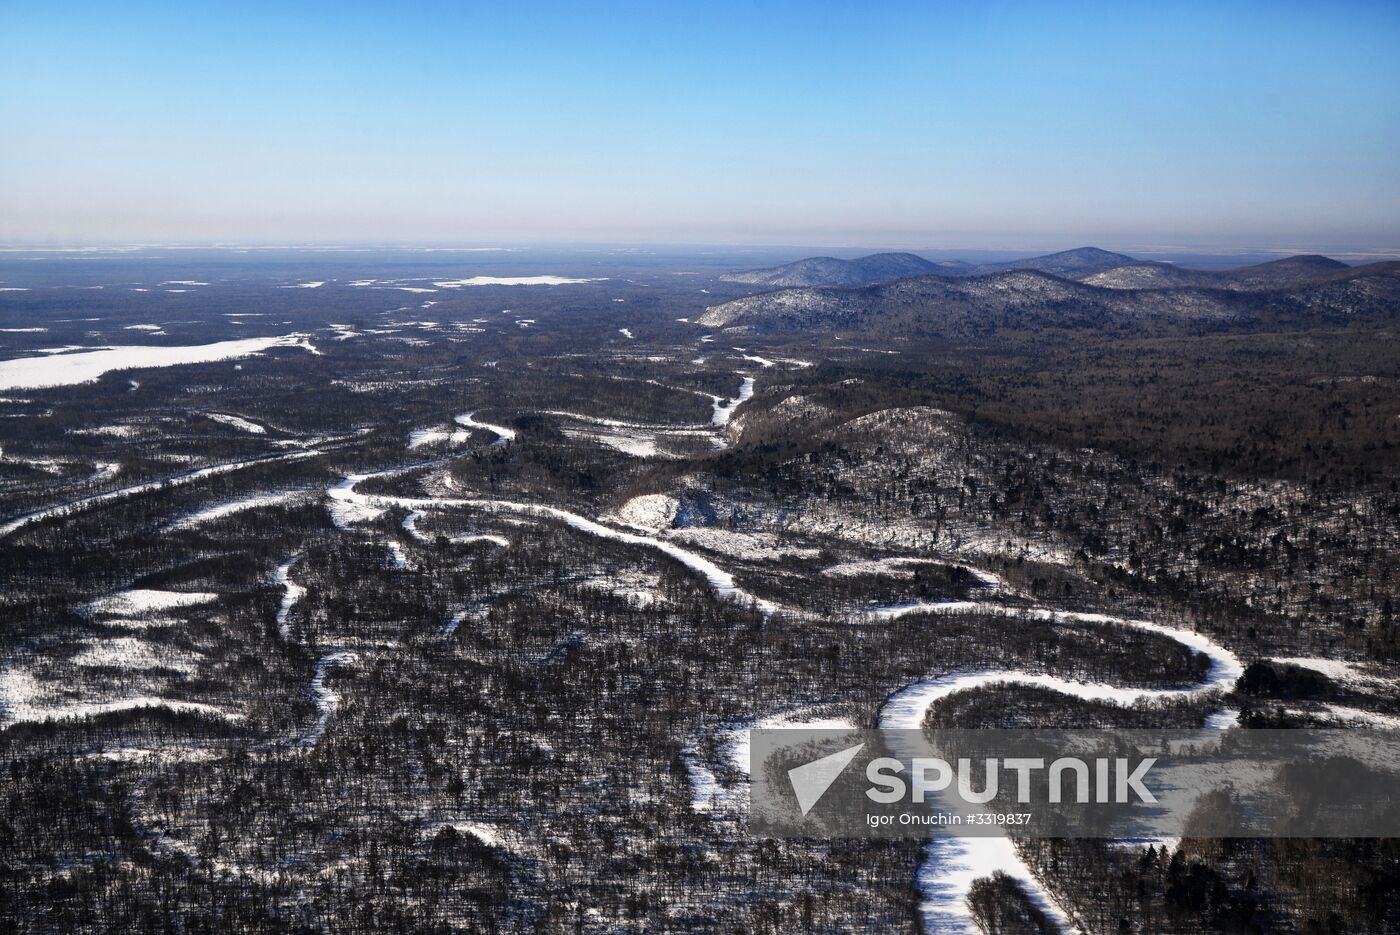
x=1025, y=299
x=830, y=271
x=1287, y=273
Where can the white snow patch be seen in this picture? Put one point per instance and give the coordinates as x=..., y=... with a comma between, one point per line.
x=503, y=434
x=219, y=511
x=129, y=652
x=1337, y=670
x=898, y=567
x=291, y=593
x=428, y=436
x=237, y=422
x=724, y=410
x=70, y=369
x=326, y=700
x=24, y=699
x=397, y=559
x=146, y=600
x=115, y=431
x=513, y=281
x=650, y=511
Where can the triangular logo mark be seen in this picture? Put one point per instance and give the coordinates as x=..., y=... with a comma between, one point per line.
x=811, y=780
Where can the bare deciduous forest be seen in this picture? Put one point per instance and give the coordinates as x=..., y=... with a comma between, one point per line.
x=443, y=609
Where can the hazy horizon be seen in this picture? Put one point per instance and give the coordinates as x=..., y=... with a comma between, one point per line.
x=1025, y=127
x=500, y=254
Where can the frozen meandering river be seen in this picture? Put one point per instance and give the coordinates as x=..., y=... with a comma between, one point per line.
x=950, y=865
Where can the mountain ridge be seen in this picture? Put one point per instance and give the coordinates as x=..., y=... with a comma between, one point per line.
x=1092, y=265
x=1303, y=269
x=1030, y=299
x=831, y=271
x=888, y=267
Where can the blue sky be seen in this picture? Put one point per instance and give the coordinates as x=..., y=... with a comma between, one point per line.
x=898, y=124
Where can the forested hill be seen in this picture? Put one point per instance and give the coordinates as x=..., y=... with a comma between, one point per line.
x=830, y=271
x=887, y=267
x=1028, y=299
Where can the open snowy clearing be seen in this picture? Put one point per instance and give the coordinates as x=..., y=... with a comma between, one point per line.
x=128, y=652
x=513, y=281
x=237, y=422
x=24, y=698
x=145, y=601
x=1338, y=670
x=71, y=369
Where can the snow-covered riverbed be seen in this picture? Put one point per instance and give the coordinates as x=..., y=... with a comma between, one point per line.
x=724, y=409
x=949, y=864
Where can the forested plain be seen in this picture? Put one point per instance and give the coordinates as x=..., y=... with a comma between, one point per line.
x=443, y=614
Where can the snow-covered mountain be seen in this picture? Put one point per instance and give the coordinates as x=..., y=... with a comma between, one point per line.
x=1278, y=274
x=830, y=271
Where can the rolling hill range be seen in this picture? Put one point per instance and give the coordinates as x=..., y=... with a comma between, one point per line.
x=1089, y=265
x=1278, y=274
x=1071, y=264
x=1029, y=299
x=888, y=267
x=830, y=271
